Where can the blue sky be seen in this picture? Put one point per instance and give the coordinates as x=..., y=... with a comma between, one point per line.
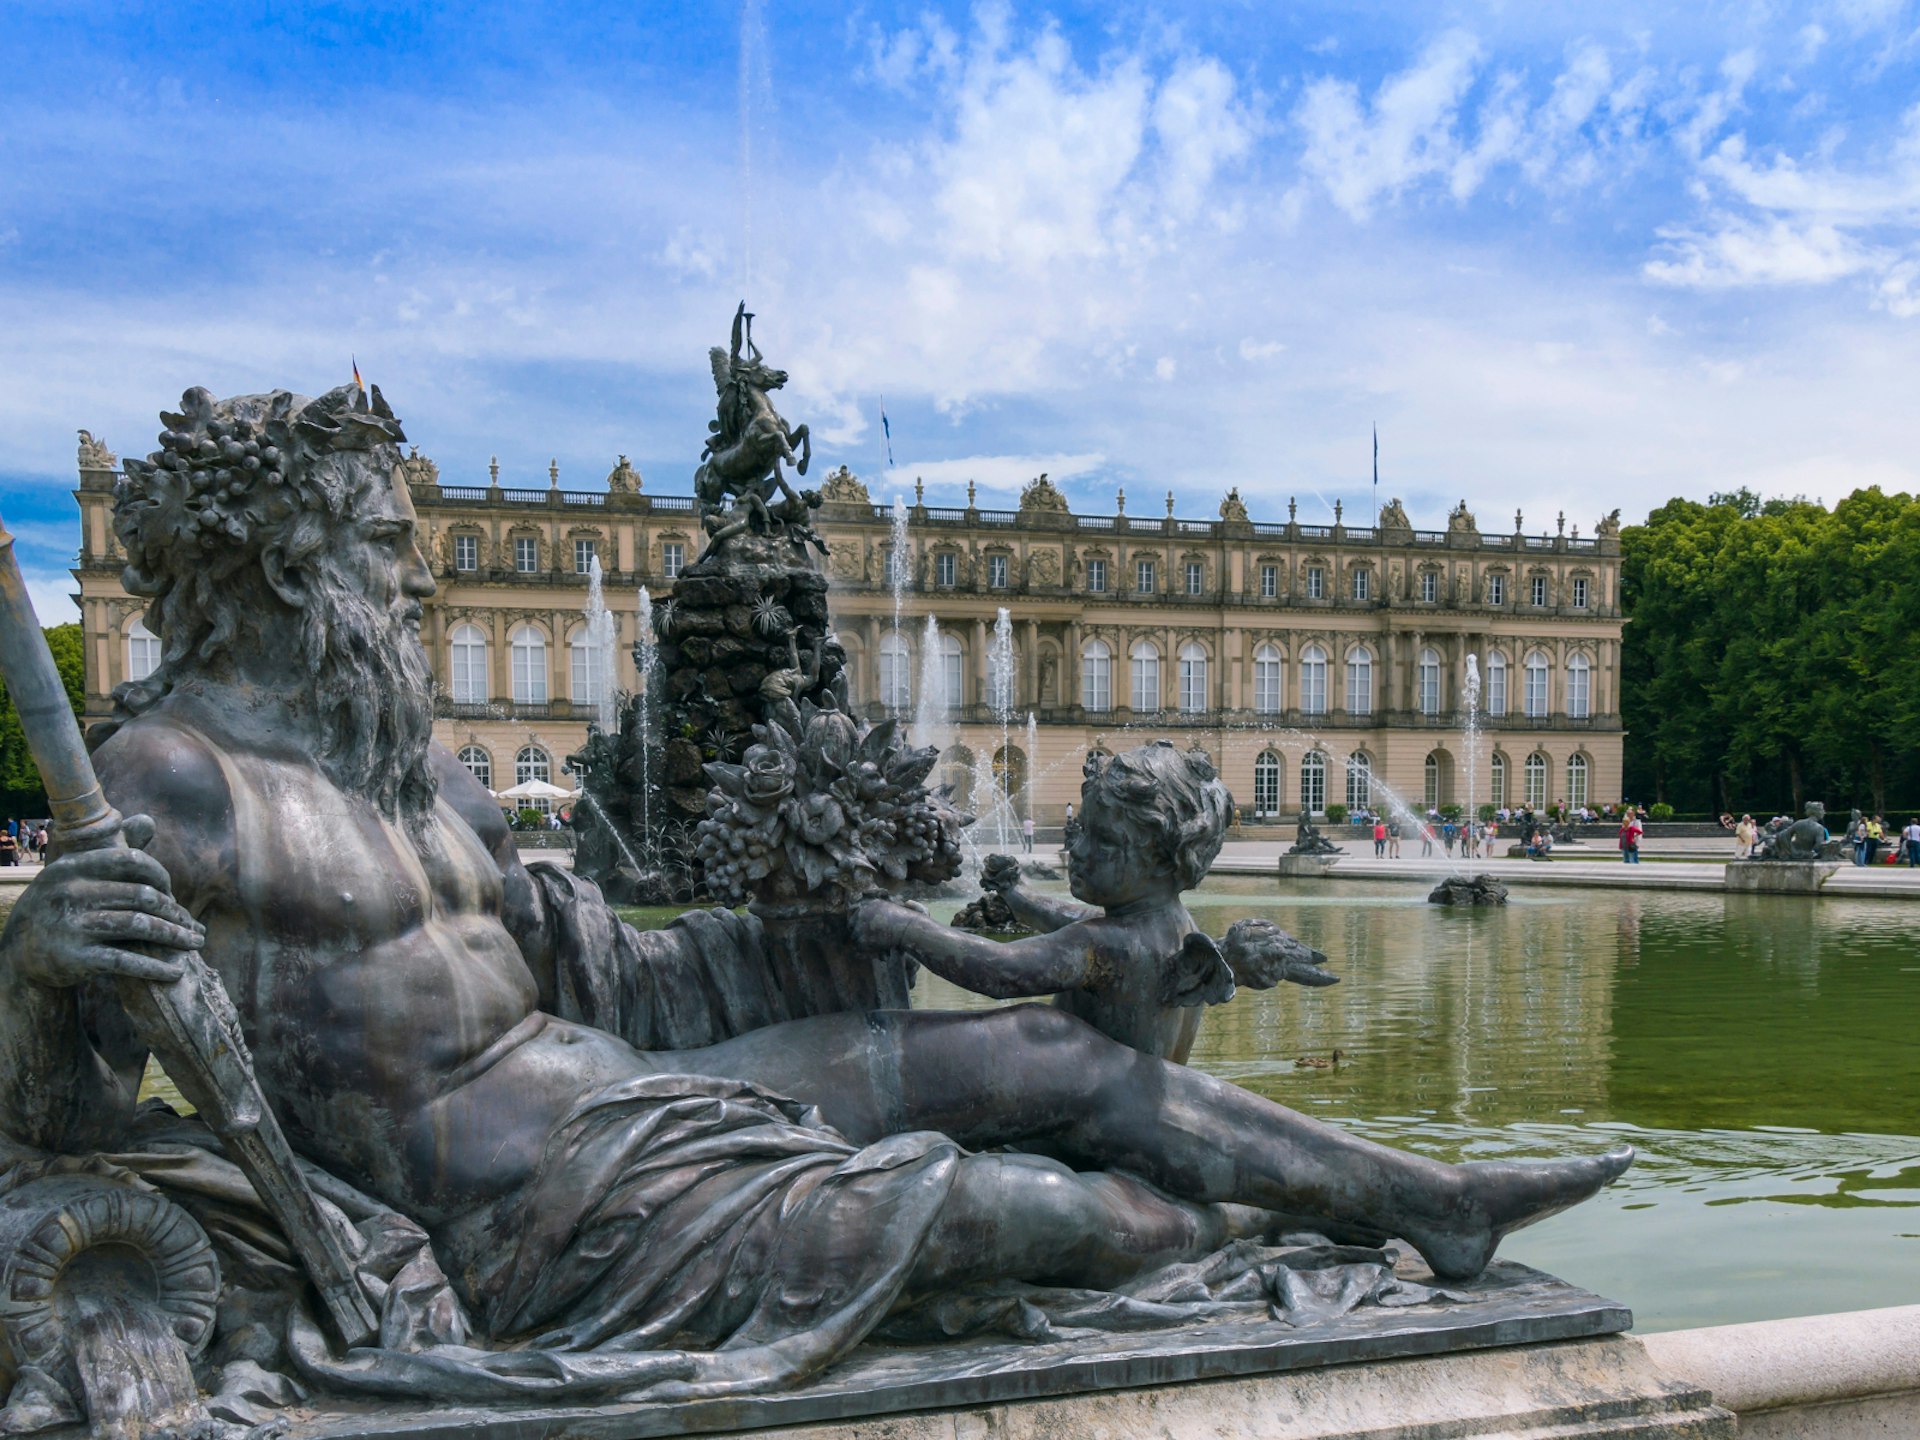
x=1566, y=257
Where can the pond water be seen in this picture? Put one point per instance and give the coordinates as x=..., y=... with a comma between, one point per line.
x=1762, y=1052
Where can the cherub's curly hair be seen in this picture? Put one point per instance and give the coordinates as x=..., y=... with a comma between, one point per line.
x=1174, y=798
x=231, y=480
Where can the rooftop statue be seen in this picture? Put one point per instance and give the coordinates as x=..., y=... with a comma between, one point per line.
x=578, y=1161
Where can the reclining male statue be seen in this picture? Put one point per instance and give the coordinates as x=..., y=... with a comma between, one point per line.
x=724, y=1219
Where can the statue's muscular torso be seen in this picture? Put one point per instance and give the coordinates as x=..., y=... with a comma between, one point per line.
x=393, y=1017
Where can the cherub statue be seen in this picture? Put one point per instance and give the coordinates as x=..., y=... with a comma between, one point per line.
x=1130, y=962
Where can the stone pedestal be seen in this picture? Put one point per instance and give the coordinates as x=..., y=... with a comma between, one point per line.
x=1306, y=865
x=1779, y=877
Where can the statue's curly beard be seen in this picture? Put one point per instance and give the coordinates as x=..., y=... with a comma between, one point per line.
x=371, y=691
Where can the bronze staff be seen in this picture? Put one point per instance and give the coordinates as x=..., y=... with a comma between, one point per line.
x=189, y=1023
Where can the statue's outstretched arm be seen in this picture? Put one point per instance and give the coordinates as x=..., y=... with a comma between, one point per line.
x=1044, y=913
x=1043, y=965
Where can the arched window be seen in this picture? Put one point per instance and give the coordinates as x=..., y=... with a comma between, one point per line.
x=468, y=645
x=1266, y=680
x=143, y=650
x=1497, y=782
x=1579, y=687
x=1577, y=780
x=1193, y=678
x=1266, y=785
x=1536, y=780
x=1429, y=679
x=896, y=672
x=1313, y=783
x=953, y=672
x=479, y=762
x=1536, y=693
x=1359, y=681
x=587, y=666
x=529, y=666
x=1359, y=781
x=1313, y=680
x=1432, y=773
x=1146, y=676
x=1096, y=676
x=1496, y=683
x=533, y=763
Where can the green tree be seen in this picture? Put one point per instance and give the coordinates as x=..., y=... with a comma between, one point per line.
x=21, y=793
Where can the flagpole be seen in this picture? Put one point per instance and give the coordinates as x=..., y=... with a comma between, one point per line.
x=1376, y=474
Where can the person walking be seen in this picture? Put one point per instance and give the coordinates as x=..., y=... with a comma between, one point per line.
x=1630, y=832
x=1393, y=839
x=1857, y=838
x=1379, y=838
x=1745, y=834
x=1449, y=833
x=1912, y=837
x=1026, y=833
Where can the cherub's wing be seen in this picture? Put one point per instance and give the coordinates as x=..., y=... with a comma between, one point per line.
x=1198, y=974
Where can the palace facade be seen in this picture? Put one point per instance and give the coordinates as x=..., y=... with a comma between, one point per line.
x=1315, y=664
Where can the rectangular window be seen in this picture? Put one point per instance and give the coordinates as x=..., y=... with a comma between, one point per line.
x=1143, y=577
x=1266, y=685
x=1580, y=592
x=1096, y=680
x=1430, y=588
x=466, y=552
x=1540, y=590
x=1316, y=583
x=1362, y=584
x=945, y=566
x=1496, y=590
x=996, y=572
x=582, y=556
x=1097, y=577
x=1196, y=578
x=526, y=555
x=673, y=556
x=1270, y=586
x=1146, y=681
x=896, y=568
x=1193, y=683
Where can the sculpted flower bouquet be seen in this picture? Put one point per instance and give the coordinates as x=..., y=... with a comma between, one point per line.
x=825, y=809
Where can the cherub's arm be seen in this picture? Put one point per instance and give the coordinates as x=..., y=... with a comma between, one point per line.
x=1043, y=965
x=1037, y=912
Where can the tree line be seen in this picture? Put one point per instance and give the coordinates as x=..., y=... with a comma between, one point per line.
x=1772, y=654
x=21, y=794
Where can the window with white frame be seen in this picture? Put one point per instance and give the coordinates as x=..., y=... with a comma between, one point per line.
x=526, y=554
x=1539, y=588
x=1097, y=577
x=1362, y=584
x=896, y=672
x=582, y=556
x=1536, y=685
x=1096, y=676
x=1496, y=683
x=1430, y=774
x=1313, y=680
x=479, y=764
x=1359, y=781
x=588, y=669
x=1496, y=589
x=1577, y=780
x=1266, y=785
x=946, y=565
x=533, y=763
x=529, y=648
x=466, y=552
x=1316, y=583
x=1145, y=664
x=1429, y=587
x=1267, y=672
x=468, y=665
x=1196, y=578
x=1313, y=783
x=896, y=567
x=1359, y=681
x=1497, y=782
x=1579, y=687
x=143, y=650
x=673, y=559
x=996, y=572
x=1193, y=678
x=953, y=672
x=1536, y=781
x=1580, y=592
x=1427, y=677
x=1143, y=577
x=1270, y=586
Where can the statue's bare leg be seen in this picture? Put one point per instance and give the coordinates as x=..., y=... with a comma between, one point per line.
x=1031, y=1074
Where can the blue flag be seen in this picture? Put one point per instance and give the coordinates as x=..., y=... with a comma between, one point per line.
x=886, y=430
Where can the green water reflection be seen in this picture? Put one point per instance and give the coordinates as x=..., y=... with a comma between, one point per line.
x=1761, y=1051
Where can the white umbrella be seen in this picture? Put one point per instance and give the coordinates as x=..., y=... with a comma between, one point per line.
x=537, y=790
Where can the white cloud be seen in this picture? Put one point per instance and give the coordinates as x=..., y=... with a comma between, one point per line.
x=1252, y=349
x=1164, y=368
x=1741, y=252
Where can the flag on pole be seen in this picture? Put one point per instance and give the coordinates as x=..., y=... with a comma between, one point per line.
x=1376, y=470
x=886, y=430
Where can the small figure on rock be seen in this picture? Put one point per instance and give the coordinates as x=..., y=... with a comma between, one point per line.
x=1307, y=839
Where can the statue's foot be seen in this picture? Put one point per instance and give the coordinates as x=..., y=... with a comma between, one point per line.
x=1495, y=1198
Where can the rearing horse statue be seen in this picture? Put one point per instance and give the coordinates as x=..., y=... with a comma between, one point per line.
x=748, y=440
